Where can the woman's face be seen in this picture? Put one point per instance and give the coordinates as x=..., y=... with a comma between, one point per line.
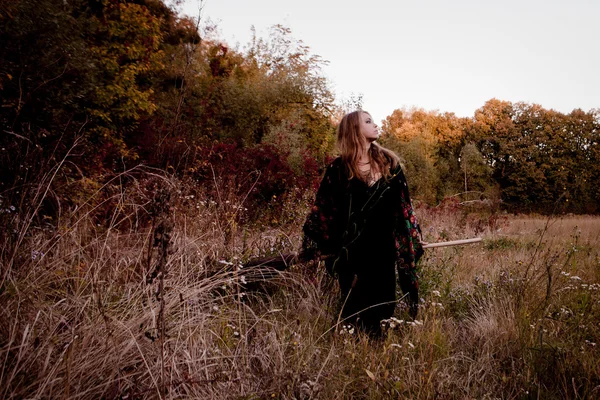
x=368, y=128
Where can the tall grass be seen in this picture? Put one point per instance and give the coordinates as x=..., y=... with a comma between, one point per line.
x=156, y=303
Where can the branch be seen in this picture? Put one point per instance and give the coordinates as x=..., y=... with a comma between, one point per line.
x=452, y=243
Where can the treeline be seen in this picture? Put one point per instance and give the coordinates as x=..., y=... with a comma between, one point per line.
x=92, y=88
x=530, y=158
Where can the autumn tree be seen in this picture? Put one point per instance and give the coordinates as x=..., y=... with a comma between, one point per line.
x=270, y=94
x=476, y=172
x=433, y=138
x=76, y=78
x=543, y=160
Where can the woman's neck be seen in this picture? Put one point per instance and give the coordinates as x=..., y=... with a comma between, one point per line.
x=365, y=157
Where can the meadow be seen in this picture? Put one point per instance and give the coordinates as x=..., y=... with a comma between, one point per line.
x=153, y=301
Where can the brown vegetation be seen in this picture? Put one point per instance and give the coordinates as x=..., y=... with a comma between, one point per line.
x=156, y=312
x=143, y=162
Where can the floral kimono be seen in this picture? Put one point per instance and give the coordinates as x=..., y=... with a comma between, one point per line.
x=367, y=233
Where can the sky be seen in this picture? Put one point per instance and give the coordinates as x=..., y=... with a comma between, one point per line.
x=445, y=55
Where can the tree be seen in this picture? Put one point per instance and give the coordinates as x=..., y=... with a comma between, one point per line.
x=438, y=138
x=476, y=172
x=75, y=79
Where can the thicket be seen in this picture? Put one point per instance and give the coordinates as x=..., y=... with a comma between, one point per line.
x=92, y=88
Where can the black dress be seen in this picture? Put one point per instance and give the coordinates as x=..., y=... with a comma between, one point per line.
x=366, y=231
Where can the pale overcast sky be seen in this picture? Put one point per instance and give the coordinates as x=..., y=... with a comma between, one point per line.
x=446, y=55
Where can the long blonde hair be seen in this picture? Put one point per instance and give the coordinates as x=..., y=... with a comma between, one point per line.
x=350, y=143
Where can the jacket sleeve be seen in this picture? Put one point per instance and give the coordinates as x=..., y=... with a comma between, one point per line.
x=408, y=246
x=322, y=229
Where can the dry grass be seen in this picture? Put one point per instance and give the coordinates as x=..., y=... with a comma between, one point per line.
x=514, y=317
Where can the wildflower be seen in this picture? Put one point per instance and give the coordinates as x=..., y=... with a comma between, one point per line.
x=347, y=329
x=436, y=293
x=392, y=322
x=565, y=311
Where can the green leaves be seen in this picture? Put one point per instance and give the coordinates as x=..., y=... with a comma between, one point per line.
x=533, y=155
x=126, y=45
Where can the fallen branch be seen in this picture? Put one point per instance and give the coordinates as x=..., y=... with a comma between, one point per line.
x=452, y=243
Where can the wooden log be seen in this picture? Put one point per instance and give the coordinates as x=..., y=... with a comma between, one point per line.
x=452, y=243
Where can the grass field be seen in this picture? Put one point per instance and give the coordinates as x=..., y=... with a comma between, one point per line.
x=83, y=315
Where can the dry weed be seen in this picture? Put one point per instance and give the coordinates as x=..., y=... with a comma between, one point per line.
x=516, y=316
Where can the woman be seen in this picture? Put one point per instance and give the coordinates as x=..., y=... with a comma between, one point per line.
x=363, y=224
